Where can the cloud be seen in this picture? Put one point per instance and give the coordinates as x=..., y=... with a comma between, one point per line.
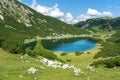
x=107, y=13
x=51, y=11
x=54, y=11
x=34, y=4
x=84, y=17
x=69, y=17
x=94, y=12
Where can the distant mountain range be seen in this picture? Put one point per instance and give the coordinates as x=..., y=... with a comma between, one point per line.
x=101, y=23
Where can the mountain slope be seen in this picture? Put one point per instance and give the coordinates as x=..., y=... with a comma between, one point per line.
x=110, y=48
x=104, y=23
x=19, y=18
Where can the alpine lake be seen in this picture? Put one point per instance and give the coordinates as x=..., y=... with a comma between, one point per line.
x=69, y=45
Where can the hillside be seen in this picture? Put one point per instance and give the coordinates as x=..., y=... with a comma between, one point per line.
x=23, y=55
x=19, y=18
x=18, y=65
x=104, y=23
x=110, y=50
x=19, y=22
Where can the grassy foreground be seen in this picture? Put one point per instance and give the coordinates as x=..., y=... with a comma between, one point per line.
x=13, y=67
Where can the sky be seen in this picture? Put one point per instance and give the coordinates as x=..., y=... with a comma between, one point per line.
x=73, y=11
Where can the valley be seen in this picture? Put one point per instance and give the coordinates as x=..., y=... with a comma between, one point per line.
x=17, y=66
x=26, y=51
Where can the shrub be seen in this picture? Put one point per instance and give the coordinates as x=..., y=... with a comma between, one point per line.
x=111, y=47
x=109, y=63
x=1, y=41
x=49, y=55
x=78, y=53
x=68, y=60
x=13, y=46
x=58, y=59
x=63, y=54
x=31, y=53
x=88, y=52
x=40, y=51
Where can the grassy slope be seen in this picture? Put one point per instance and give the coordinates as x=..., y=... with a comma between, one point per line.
x=100, y=73
x=12, y=67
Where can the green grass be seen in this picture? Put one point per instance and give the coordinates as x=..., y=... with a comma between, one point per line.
x=12, y=67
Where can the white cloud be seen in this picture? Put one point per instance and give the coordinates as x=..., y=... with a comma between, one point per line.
x=34, y=4
x=93, y=12
x=84, y=17
x=69, y=17
x=54, y=11
x=75, y=21
x=42, y=9
x=107, y=13
x=51, y=11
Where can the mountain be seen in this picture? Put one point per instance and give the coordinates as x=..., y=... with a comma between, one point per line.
x=19, y=22
x=19, y=18
x=111, y=47
x=101, y=23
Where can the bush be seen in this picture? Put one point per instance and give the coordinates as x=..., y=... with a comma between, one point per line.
x=40, y=51
x=78, y=53
x=12, y=41
x=1, y=41
x=60, y=60
x=13, y=46
x=63, y=54
x=111, y=47
x=109, y=63
x=49, y=55
x=88, y=52
x=31, y=53
x=68, y=60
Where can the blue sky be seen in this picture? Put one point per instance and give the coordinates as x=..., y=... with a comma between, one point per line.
x=77, y=8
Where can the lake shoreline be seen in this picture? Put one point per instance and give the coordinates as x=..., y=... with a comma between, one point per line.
x=69, y=45
x=61, y=37
x=98, y=46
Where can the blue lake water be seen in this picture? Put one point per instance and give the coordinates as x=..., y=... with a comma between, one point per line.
x=73, y=46
x=81, y=45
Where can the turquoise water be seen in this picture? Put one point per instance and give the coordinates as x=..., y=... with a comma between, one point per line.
x=79, y=45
